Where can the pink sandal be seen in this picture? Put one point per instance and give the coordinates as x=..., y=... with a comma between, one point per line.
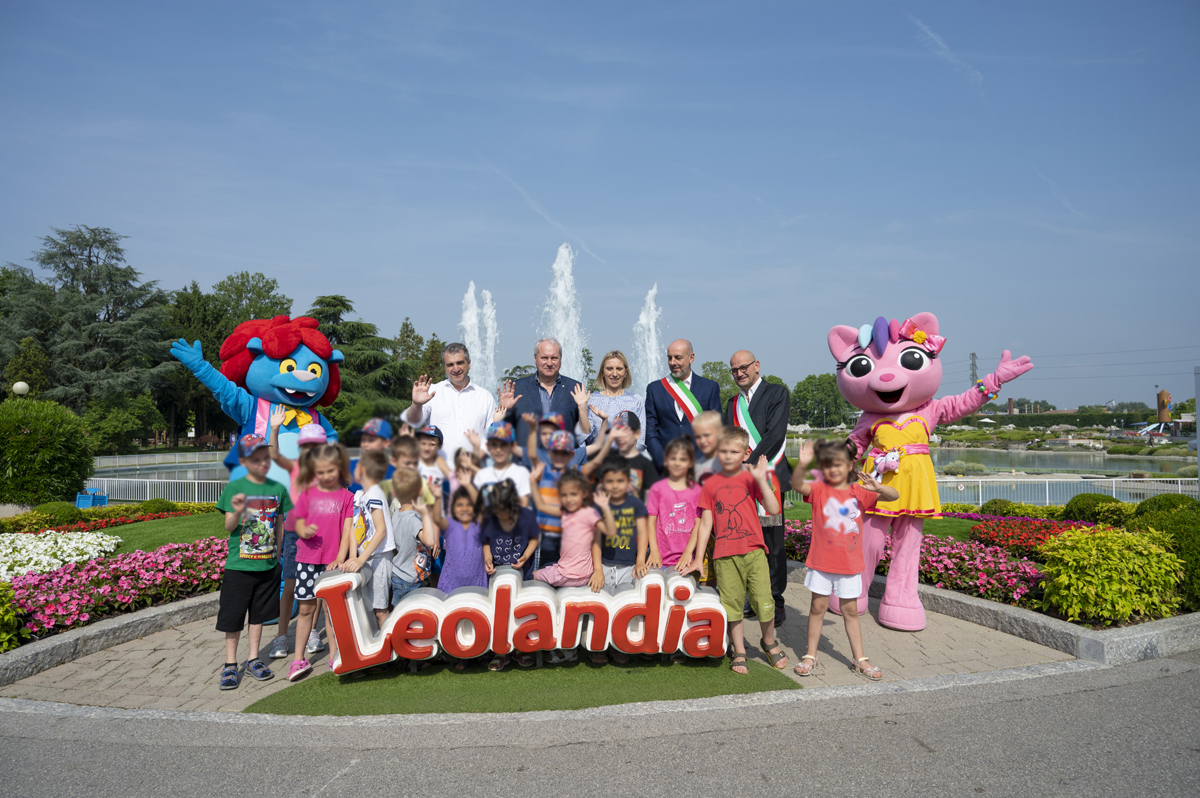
x=299, y=668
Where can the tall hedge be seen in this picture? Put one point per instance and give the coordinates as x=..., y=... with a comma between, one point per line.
x=44, y=454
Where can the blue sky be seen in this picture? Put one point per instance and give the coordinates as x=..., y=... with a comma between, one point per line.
x=1026, y=171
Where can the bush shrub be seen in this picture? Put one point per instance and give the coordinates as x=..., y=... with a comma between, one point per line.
x=1115, y=513
x=1123, y=449
x=1083, y=506
x=1166, y=502
x=959, y=507
x=12, y=625
x=28, y=522
x=198, y=508
x=998, y=507
x=44, y=455
x=158, y=506
x=1187, y=472
x=1109, y=575
x=60, y=512
x=1182, y=527
x=959, y=468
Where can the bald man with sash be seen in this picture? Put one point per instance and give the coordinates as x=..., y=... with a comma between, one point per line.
x=762, y=408
x=675, y=400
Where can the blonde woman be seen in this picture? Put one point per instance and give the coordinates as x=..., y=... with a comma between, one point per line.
x=612, y=395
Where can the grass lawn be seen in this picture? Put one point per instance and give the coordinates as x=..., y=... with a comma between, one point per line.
x=149, y=535
x=578, y=685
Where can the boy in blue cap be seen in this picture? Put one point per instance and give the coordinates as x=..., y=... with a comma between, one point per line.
x=376, y=434
x=500, y=441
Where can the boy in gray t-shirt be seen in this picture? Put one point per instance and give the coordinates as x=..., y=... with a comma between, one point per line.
x=415, y=532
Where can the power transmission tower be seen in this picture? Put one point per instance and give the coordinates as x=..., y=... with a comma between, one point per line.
x=974, y=369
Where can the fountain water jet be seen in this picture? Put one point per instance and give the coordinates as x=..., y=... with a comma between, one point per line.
x=648, y=361
x=478, y=331
x=561, y=314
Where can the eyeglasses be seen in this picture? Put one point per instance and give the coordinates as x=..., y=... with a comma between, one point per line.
x=736, y=370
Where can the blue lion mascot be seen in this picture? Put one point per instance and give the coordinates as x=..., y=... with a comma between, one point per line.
x=269, y=362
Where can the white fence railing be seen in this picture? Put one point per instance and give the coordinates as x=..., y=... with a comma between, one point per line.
x=1059, y=491
x=140, y=490
x=132, y=460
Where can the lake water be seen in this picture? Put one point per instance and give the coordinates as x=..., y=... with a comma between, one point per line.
x=1042, y=461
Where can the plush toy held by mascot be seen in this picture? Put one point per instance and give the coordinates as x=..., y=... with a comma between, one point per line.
x=891, y=371
x=269, y=362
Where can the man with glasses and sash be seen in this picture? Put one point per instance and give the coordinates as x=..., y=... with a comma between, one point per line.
x=675, y=400
x=761, y=408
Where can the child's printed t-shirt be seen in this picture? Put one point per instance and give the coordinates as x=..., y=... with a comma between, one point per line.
x=365, y=502
x=490, y=475
x=252, y=542
x=575, y=555
x=735, y=521
x=327, y=511
x=642, y=472
x=837, y=524
x=675, y=514
x=548, y=488
x=706, y=467
x=621, y=548
x=508, y=545
x=413, y=560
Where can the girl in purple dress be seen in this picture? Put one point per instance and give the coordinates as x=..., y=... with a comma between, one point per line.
x=463, y=564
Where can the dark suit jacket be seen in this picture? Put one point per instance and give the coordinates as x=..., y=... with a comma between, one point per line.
x=769, y=410
x=662, y=422
x=531, y=402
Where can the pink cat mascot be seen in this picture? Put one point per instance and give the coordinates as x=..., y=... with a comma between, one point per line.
x=891, y=371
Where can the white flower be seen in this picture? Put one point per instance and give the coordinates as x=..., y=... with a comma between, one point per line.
x=39, y=554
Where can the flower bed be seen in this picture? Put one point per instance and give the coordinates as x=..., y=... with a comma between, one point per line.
x=104, y=523
x=21, y=554
x=1020, y=536
x=78, y=593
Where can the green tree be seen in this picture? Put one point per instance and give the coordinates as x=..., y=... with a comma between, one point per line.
x=431, y=362
x=247, y=295
x=114, y=424
x=517, y=372
x=775, y=380
x=195, y=316
x=719, y=372
x=44, y=455
x=1186, y=406
x=589, y=372
x=29, y=365
x=817, y=401
x=1026, y=405
x=108, y=328
x=408, y=343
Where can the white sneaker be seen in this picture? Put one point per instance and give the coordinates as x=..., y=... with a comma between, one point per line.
x=278, y=647
x=314, y=643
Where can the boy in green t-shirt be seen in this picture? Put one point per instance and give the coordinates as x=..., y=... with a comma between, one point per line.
x=254, y=507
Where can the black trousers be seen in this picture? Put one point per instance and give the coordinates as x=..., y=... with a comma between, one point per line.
x=777, y=563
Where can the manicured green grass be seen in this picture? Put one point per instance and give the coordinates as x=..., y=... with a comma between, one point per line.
x=149, y=535
x=578, y=685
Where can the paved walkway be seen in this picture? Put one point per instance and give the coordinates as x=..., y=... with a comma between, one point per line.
x=178, y=668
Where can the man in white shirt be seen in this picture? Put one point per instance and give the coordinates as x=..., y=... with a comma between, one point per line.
x=672, y=402
x=456, y=405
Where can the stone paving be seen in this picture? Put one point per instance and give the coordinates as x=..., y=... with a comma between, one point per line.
x=178, y=668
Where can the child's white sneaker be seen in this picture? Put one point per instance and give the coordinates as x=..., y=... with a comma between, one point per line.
x=314, y=643
x=278, y=647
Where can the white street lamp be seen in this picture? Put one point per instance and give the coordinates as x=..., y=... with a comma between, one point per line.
x=20, y=388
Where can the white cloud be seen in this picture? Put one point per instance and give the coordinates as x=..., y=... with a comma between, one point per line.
x=938, y=47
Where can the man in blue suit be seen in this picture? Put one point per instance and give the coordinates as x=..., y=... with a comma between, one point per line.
x=672, y=402
x=544, y=391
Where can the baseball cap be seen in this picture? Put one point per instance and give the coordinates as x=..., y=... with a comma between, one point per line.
x=379, y=427
x=561, y=441
x=627, y=419
x=432, y=432
x=554, y=418
x=249, y=444
x=313, y=433
x=501, y=431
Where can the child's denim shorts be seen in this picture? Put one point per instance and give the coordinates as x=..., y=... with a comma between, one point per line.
x=400, y=588
x=287, y=557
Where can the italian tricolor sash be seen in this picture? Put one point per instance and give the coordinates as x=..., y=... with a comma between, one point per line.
x=679, y=391
x=741, y=418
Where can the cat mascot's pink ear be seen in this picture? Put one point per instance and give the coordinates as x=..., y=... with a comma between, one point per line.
x=842, y=340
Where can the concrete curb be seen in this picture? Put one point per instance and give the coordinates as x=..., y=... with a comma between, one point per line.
x=42, y=655
x=1151, y=640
